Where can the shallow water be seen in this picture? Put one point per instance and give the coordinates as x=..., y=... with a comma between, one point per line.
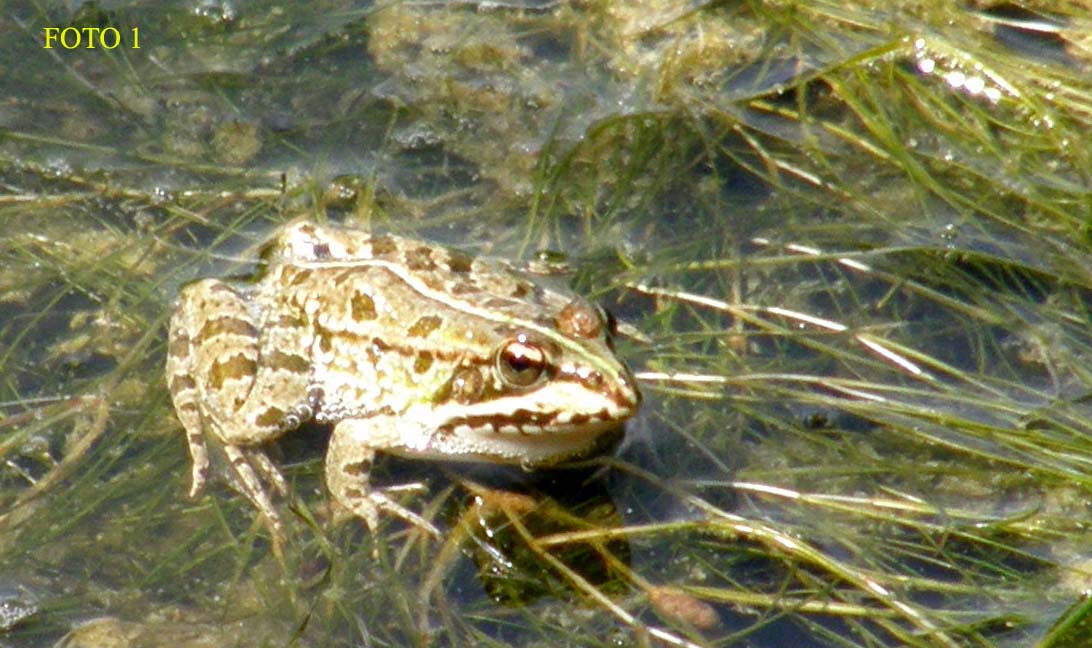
x=847, y=250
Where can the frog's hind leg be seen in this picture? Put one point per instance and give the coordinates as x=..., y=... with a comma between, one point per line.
x=251, y=485
x=182, y=358
x=185, y=405
x=269, y=471
x=224, y=386
x=348, y=464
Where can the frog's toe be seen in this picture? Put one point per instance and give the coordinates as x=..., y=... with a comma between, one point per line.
x=379, y=500
x=198, y=476
x=247, y=481
x=367, y=506
x=412, y=487
x=268, y=470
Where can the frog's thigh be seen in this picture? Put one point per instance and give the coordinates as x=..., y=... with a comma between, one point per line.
x=185, y=397
x=251, y=376
x=348, y=464
x=280, y=398
x=223, y=344
x=249, y=483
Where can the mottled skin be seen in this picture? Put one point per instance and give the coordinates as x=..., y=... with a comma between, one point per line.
x=405, y=347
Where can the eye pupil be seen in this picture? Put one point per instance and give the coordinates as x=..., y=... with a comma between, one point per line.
x=521, y=364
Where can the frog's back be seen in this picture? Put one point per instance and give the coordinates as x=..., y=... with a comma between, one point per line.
x=402, y=322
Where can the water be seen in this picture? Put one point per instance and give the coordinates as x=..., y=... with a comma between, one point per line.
x=855, y=289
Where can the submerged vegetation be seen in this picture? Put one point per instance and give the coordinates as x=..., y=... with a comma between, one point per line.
x=847, y=246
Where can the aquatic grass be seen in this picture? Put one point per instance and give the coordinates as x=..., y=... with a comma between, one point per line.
x=866, y=417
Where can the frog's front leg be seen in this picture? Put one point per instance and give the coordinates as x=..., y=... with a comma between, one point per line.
x=240, y=379
x=352, y=448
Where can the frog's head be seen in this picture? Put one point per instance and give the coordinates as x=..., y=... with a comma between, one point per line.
x=548, y=388
x=569, y=368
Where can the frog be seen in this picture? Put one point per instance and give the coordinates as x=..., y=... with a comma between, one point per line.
x=400, y=346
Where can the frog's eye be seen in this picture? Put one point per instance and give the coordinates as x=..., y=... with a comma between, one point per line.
x=521, y=363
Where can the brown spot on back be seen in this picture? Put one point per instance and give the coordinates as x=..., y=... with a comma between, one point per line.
x=464, y=287
x=290, y=361
x=521, y=290
x=424, y=326
x=324, y=342
x=420, y=258
x=345, y=276
x=422, y=363
x=497, y=302
x=363, y=307
x=433, y=281
x=236, y=366
x=221, y=325
x=321, y=251
x=271, y=417
x=301, y=275
x=289, y=321
x=459, y=262
x=383, y=245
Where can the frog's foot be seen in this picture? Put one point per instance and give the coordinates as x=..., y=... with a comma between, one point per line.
x=268, y=470
x=366, y=503
x=348, y=464
x=200, y=471
x=247, y=480
x=377, y=500
x=185, y=396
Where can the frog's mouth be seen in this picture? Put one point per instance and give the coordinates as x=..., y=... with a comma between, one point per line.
x=466, y=443
x=544, y=426
x=558, y=407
